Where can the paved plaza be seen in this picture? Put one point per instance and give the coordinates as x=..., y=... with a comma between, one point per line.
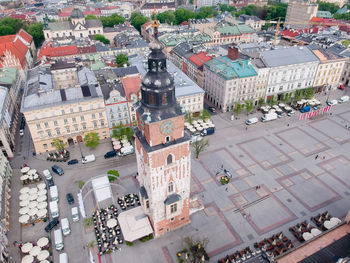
x=279, y=156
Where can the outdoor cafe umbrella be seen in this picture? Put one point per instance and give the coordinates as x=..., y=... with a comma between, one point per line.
x=335, y=221
x=35, y=176
x=24, y=177
x=112, y=223
x=23, y=203
x=23, y=219
x=187, y=123
x=42, y=205
x=33, y=204
x=44, y=261
x=282, y=105
x=327, y=224
x=33, y=211
x=315, y=232
x=33, y=190
x=33, y=197
x=200, y=121
x=41, y=198
x=24, y=197
x=24, y=190
x=205, y=126
x=25, y=169
x=35, y=251
x=194, y=122
x=27, y=247
x=42, y=192
x=27, y=259
x=212, y=125
x=117, y=147
x=307, y=236
x=31, y=171
x=43, y=254
x=23, y=210
x=113, y=139
x=41, y=213
x=199, y=128
x=43, y=241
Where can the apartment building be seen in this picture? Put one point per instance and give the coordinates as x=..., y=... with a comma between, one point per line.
x=5, y=190
x=67, y=113
x=299, y=13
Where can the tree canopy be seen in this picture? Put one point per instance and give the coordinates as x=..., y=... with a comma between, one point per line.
x=166, y=17
x=110, y=21
x=121, y=60
x=137, y=20
x=36, y=31
x=228, y=8
x=324, y=6
x=121, y=132
x=90, y=16
x=92, y=140
x=270, y=12
x=102, y=39
x=59, y=145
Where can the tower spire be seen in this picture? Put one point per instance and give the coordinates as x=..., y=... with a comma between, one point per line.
x=155, y=23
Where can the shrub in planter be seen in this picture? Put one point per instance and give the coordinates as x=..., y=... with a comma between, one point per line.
x=130, y=244
x=109, y=251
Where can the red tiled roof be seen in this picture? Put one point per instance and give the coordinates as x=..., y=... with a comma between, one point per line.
x=15, y=46
x=131, y=86
x=6, y=39
x=147, y=24
x=200, y=58
x=23, y=34
x=94, y=12
x=18, y=16
x=64, y=14
x=50, y=51
x=85, y=50
x=290, y=33
x=109, y=7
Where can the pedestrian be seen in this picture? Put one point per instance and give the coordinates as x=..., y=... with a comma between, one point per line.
x=316, y=156
x=256, y=187
x=246, y=128
x=226, y=189
x=324, y=157
x=84, y=247
x=288, y=125
x=14, y=243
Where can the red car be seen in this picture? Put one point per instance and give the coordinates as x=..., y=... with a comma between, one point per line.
x=341, y=86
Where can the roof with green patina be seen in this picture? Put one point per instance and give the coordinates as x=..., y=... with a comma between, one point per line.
x=8, y=75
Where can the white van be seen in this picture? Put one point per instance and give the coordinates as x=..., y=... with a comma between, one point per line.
x=54, y=209
x=47, y=174
x=88, y=158
x=75, y=214
x=343, y=99
x=65, y=226
x=54, y=193
x=251, y=121
x=58, y=239
x=63, y=258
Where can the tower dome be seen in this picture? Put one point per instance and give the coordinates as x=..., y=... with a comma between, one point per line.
x=77, y=13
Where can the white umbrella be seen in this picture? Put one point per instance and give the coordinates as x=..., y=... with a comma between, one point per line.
x=307, y=236
x=33, y=211
x=23, y=219
x=41, y=198
x=212, y=125
x=327, y=224
x=335, y=221
x=200, y=128
x=27, y=247
x=194, y=122
x=24, y=203
x=24, y=197
x=44, y=261
x=33, y=190
x=42, y=213
x=33, y=197
x=35, y=251
x=282, y=105
x=187, y=123
x=42, y=192
x=27, y=259
x=43, y=241
x=315, y=232
x=41, y=186
x=117, y=147
x=24, y=177
x=200, y=121
x=275, y=107
x=33, y=204
x=43, y=254
x=24, y=190
x=42, y=205
x=115, y=143
x=31, y=172
x=36, y=176
x=25, y=169
x=23, y=210
x=205, y=126
x=30, y=177
x=112, y=223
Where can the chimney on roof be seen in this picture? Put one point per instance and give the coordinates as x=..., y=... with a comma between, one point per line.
x=233, y=52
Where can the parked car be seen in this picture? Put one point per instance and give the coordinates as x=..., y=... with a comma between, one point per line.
x=212, y=109
x=58, y=170
x=305, y=109
x=88, y=159
x=343, y=99
x=252, y=121
x=70, y=198
x=75, y=214
x=316, y=107
x=332, y=102
x=291, y=113
x=51, y=225
x=73, y=161
x=341, y=86
x=50, y=182
x=21, y=132
x=110, y=154
x=281, y=115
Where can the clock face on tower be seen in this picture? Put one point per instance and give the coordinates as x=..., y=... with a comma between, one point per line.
x=167, y=127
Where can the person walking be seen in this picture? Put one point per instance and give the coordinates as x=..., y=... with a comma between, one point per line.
x=316, y=156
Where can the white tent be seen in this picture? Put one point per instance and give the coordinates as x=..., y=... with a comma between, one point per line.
x=27, y=259
x=33, y=190
x=24, y=190
x=134, y=224
x=315, y=232
x=35, y=251
x=25, y=169
x=44, y=254
x=23, y=210
x=42, y=213
x=24, y=197
x=23, y=203
x=41, y=198
x=33, y=204
x=41, y=186
x=102, y=189
x=23, y=219
x=307, y=236
x=43, y=241
x=42, y=192
x=33, y=211
x=27, y=247
x=42, y=205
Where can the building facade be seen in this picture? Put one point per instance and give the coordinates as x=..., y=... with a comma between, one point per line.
x=300, y=13
x=5, y=184
x=65, y=113
x=131, y=85
x=162, y=149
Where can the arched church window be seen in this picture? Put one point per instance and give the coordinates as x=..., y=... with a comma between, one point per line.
x=169, y=159
x=151, y=99
x=170, y=187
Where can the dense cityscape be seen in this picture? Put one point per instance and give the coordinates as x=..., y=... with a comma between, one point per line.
x=174, y=131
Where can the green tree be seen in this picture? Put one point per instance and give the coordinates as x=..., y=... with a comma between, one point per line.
x=261, y=102
x=122, y=59
x=112, y=174
x=90, y=16
x=272, y=101
x=6, y=30
x=204, y=115
x=102, y=39
x=58, y=144
x=121, y=132
x=88, y=222
x=111, y=21
x=194, y=251
x=92, y=140
x=238, y=108
x=324, y=6
x=308, y=93
x=14, y=24
x=297, y=95
x=189, y=117
x=345, y=42
x=81, y=184
x=36, y=31
x=166, y=17
x=199, y=146
x=228, y=8
x=182, y=15
x=137, y=20
x=249, y=106
x=206, y=12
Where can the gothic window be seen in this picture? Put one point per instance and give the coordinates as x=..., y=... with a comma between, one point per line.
x=169, y=159
x=173, y=208
x=151, y=99
x=164, y=99
x=171, y=187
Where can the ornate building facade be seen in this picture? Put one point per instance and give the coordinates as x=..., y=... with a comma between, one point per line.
x=162, y=149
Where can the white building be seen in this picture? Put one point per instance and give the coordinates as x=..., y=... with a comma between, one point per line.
x=5, y=181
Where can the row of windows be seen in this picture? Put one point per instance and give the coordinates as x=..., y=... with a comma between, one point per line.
x=65, y=121
x=71, y=110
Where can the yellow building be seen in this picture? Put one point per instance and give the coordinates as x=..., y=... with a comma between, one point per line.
x=68, y=113
x=329, y=69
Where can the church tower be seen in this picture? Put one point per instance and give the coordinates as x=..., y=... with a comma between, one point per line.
x=162, y=149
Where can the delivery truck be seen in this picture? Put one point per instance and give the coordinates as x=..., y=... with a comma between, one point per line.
x=269, y=117
x=88, y=158
x=54, y=193
x=54, y=209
